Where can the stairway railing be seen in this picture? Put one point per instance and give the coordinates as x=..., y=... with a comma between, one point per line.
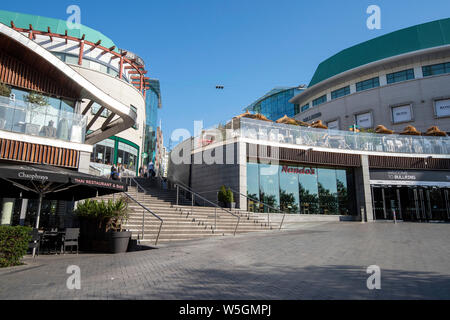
x=129, y=181
x=195, y=195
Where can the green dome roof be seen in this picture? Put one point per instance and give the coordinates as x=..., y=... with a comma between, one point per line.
x=423, y=36
x=22, y=20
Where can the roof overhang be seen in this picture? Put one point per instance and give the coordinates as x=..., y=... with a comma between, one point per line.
x=25, y=48
x=371, y=68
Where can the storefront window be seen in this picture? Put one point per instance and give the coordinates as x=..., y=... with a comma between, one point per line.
x=297, y=189
x=309, y=194
x=127, y=155
x=103, y=152
x=269, y=186
x=289, y=190
x=327, y=187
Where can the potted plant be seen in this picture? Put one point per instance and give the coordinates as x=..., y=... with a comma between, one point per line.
x=5, y=90
x=101, y=225
x=222, y=196
x=37, y=99
x=117, y=216
x=230, y=199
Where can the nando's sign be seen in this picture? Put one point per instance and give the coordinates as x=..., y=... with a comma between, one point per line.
x=287, y=169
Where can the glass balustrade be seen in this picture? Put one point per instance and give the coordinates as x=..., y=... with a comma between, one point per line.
x=281, y=134
x=45, y=121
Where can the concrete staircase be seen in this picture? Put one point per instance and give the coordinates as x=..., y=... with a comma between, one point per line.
x=182, y=221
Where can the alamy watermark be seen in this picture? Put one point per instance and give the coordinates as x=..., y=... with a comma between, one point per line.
x=374, y=280
x=74, y=280
x=374, y=20
x=74, y=20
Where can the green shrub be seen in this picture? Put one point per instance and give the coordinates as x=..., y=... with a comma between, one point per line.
x=37, y=98
x=222, y=195
x=111, y=214
x=5, y=90
x=230, y=196
x=13, y=245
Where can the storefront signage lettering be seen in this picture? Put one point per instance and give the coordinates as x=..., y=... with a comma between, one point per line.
x=32, y=177
x=442, y=108
x=312, y=117
x=287, y=169
x=401, y=176
x=99, y=183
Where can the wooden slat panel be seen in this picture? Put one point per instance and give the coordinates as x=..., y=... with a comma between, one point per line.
x=38, y=154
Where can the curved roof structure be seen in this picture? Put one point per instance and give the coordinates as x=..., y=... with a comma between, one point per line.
x=423, y=36
x=22, y=20
x=269, y=94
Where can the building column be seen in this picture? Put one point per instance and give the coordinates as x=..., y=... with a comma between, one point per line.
x=7, y=211
x=367, y=203
x=23, y=212
x=85, y=160
x=242, y=163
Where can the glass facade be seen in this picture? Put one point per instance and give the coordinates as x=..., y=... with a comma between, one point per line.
x=319, y=100
x=152, y=104
x=114, y=151
x=400, y=76
x=52, y=118
x=300, y=190
x=368, y=84
x=276, y=105
x=436, y=69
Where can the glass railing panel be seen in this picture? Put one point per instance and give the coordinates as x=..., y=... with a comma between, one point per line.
x=45, y=121
x=345, y=140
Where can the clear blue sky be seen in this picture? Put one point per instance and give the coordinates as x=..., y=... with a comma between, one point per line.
x=249, y=46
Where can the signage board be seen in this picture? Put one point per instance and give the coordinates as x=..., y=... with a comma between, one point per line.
x=402, y=113
x=442, y=108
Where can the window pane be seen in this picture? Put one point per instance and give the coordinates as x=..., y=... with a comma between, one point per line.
x=269, y=186
x=327, y=187
x=308, y=189
x=289, y=191
x=253, y=186
x=342, y=192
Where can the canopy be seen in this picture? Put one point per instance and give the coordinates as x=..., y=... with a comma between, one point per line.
x=383, y=130
x=319, y=125
x=410, y=131
x=249, y=115
x=287, y=120
x=435, y=131
x=53, y=183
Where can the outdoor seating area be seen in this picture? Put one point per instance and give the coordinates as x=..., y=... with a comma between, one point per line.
x=54, y=241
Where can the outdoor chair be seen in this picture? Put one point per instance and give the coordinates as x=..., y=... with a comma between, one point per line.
x=35, y=241
x=70, y=239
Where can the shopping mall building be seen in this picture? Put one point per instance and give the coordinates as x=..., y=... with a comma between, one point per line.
x=69, y=98
x=399, y=79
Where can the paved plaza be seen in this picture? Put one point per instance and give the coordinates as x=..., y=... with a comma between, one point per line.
x=314, y=261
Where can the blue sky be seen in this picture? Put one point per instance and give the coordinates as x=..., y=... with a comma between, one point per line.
x=248, y=46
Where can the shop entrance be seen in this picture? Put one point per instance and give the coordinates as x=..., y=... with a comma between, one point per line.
x=411, y=203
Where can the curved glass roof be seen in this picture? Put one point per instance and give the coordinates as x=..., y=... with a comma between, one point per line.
x=22, y=20
x=423, y=36
x=267, y=95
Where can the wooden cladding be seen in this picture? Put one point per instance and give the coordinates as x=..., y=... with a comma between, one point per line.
x=261, y=152
x=19, y=74
x=38, y=154
x=303, y=156
x=408, y=163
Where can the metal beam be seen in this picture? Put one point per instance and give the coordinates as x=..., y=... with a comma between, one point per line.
x=107, y=121
x=97, y=115
x=87, y=107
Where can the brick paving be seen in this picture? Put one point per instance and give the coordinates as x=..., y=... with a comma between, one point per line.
x=315, y=261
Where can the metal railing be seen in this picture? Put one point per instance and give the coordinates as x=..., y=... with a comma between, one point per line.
x=129, y=181
x=264, y=205
x=258, y=201
x=194, y=195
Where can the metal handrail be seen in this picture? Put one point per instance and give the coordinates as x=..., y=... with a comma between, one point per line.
x=195, y=194
x=145, y=208
x=264, y=204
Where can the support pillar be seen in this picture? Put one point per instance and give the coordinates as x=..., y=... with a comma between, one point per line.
x=367, y=204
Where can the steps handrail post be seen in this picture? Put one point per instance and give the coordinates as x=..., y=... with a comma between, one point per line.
x=143, y=223
x=215, y=218
x=178, y=192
